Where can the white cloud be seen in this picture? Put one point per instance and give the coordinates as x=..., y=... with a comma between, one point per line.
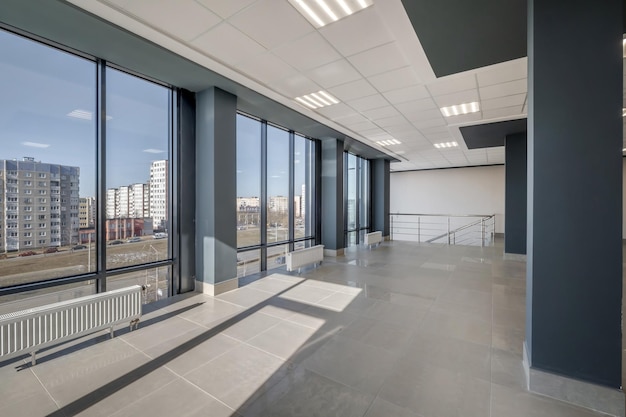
x=36, y=145
x=151, y=150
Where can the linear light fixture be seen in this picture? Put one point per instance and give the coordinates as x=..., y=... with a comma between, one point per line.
x=464, y=108
x=446, y=145
x=317, y=100
x=322, y=12
x=623, y=112
x=388, y=142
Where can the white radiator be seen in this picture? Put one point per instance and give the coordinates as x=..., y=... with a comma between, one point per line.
x=31, y=330
x=373, y=238
x=306, y=256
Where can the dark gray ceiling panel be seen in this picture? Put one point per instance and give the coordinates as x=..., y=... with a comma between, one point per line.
x=490, y=135
x=460, y=35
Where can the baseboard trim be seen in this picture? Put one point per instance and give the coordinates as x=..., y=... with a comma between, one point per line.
x=333, y=252
x=514, y=257
x=217, y=289
x=584, y=394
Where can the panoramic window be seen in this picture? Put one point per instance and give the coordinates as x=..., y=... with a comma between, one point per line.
x=48, y=137
x=49, y=193
x=275, y=194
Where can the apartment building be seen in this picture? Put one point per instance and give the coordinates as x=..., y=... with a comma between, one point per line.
x=40, y=204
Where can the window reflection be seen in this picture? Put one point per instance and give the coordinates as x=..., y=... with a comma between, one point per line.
x=47, y=160
x=357, y=198
x=137, y=170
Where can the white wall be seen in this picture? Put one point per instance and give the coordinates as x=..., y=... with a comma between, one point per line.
x=477, y=190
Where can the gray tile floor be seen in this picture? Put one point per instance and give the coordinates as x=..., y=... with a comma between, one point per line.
x=401, y=330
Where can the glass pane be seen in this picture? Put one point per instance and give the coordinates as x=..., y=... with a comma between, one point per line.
x=248, y=181
x=364, y=195
x=248, y=262
x=277, y=185
x=137, y=170
x=37, y=298
x=276, y=256
x=304, y=175
x=47, y=159
x=155, y=281
x=351, y=192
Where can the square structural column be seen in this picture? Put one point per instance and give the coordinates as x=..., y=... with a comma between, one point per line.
x=216, y=189
x=380, y=195
x=574, y=250
x=332, y=197
x=515, y=196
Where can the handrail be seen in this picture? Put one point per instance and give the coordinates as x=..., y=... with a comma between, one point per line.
x=420, y=229
x=457, y=229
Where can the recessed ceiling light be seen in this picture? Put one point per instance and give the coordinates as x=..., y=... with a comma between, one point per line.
x=322, y=12
x=317, y=100
x=446, y=145
x=388, y=142
x=464, y=108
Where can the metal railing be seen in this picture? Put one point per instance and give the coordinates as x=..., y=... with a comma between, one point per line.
x=467, y=229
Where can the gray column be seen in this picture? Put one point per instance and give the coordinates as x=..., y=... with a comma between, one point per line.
x=515, y=194
x=216, y=186
x=380, y=195
x=574, y=249
x=332, y=197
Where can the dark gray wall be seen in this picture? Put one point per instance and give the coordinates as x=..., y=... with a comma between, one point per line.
x=380, y=195
x=186, y=185
x=332, y=194
x=216, y=186
x=574, y=273
x=515, y=194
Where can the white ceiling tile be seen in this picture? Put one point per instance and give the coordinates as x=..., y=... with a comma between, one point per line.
x=392, y=80
x=225, y=8
x=438, y=137
x=390, y=121
x=238, y=48
x=452, y=84
x=425, y=115
x=504, y=89
x=183, y=19
x=423, y=124
x=369, y=102
x=381, y=112
x=503, y=72
x=401, y=128
x=415, y=107
x=502, y=112
x=360, y=126
x=266, y=68
x=467, y=96
x=295, y=86
x=308, y=52
x=379, y=59
x=271, y=23
x=358, y=32
x=508, y=101
x=435, y=129
x=335, y=111
x=403, y=95
x=352, y=119
x=372, y=133
x=352, y=90
x=333, y=74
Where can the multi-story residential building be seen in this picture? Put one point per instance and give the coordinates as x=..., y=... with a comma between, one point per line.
x=87, y=212
x=279, y=203
x=40, y=203
x=248, y=203
x=158, y=193
x=111, y=203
